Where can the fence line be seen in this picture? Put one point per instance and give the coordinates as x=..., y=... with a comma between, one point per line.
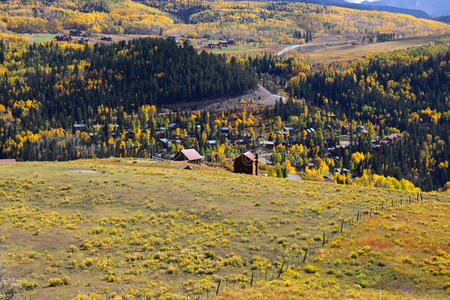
x=276, y=270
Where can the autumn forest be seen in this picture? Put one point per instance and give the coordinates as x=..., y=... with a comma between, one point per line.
x=126, y=125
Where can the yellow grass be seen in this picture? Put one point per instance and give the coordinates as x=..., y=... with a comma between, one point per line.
x=351, y=52
x=156, y=229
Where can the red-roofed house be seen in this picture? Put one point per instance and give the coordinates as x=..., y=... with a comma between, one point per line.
x=188, y=155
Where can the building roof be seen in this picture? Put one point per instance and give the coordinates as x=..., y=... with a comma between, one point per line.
x=7, y=160
x=191, y=154
x=250, y=155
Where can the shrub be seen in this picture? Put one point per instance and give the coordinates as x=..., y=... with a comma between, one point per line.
x=55, y=282
x=310, y=269
x=331, y=271
x=28, y=285
x=171, y=270
x=282, y=240
x=235, y=261
x=88, y=262
x=364, y=283
x=210, y=254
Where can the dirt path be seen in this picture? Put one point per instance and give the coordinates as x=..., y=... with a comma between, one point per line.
x=328, y=44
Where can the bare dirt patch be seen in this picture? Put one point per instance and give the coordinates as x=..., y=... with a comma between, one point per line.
x=254, y=98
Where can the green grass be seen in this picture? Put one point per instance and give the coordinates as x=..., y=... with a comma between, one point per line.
x=156, y=229
x=41, y=37
x=243, y=48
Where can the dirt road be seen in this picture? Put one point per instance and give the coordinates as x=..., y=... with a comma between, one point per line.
x=328, y=44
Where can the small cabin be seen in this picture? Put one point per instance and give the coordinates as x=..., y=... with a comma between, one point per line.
x=246, y=163
x=361, y=129
x=188, y=155
x=63, y=37
x=80, y=127
x=75, y=32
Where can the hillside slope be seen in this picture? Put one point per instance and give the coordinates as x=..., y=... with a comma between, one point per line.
x=155, y=229
x=434, y=8
x=259, y=21
x=402, y=253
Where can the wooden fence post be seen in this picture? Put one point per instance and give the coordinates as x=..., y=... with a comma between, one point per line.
x=218, y=286
x=281, y=269
x=306, y=253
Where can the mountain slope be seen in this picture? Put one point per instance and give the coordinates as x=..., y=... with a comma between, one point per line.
x=434, y=8
x=258, y=21
x=366, y=5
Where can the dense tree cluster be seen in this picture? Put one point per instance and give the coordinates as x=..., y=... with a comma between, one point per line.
x=338, y=122
x=69, y=83
x=403, y=91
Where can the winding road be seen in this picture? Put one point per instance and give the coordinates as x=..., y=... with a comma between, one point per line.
x=340, y=43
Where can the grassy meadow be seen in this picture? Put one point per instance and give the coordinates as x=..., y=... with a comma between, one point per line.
x=351, y=52
x=149, y=229
x=402, y=253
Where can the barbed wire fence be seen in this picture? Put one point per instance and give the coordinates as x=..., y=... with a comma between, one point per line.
x=274, y=270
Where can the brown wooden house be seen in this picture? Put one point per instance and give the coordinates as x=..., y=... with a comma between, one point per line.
x=246, y=163
x=188, y=155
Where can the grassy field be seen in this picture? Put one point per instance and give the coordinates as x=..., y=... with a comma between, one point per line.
x=40, y=38
x=402, y=253
x=245, y=48
x=351, y=52
x=158, y=230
